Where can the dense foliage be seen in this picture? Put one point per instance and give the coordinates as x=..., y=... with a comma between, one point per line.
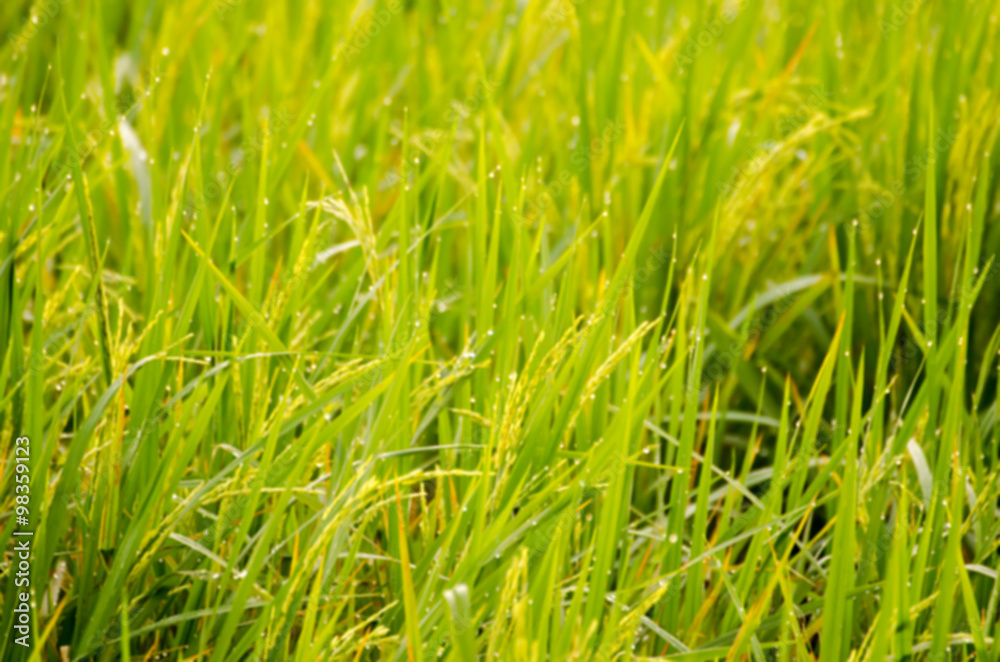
x=517, y=330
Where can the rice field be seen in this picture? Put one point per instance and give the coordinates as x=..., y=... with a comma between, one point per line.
x=529, y=330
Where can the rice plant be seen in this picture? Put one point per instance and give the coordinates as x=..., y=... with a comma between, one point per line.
x=505, y=330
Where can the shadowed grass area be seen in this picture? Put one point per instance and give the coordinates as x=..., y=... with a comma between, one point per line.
x=560, y=330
